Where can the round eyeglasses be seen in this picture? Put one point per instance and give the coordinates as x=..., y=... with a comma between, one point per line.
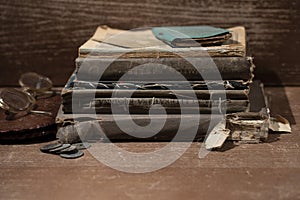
x=37, y=85
x=18, y=103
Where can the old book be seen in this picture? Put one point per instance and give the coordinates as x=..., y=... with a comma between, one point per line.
x=252, y=126
x=75, y=84
x=86, y=94
x=235, y=90
x=141, y=43
x=138, y=69
x=143, y=106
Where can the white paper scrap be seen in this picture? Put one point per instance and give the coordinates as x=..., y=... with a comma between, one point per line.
x=217, y=136
x=279, y=124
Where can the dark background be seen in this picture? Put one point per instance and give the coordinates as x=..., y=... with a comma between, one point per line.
x=43, y=36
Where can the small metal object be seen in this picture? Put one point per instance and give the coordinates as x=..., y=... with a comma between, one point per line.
x=78, y=154
x=48, y=147
x=58, y=149
x=69, y=150
x=83, y=145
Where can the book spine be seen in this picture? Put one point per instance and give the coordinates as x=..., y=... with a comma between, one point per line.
x=142, y=106
x=99, y=102
x=223, y=51
x=244, y=127
x=157, y=85
x=112, y=130
x=155, y=69
x=185, y=94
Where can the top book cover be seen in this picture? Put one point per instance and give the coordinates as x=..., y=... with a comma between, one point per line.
x=157, y=42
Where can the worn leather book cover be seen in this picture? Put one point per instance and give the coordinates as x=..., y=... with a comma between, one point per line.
x=230, y=68
x=84, y=94
x=235, y=90
x=89, y=96
x=141, y=43
x=143, y=106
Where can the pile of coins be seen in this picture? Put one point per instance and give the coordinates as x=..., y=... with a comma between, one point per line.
x=69, y=151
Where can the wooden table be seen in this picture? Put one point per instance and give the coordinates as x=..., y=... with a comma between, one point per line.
x=263, y=171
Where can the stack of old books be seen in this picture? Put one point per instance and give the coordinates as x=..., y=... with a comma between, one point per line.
x=173, y=71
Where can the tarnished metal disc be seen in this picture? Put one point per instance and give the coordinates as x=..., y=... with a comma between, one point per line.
x=48, y=147
x=83, y=145
x=69, y=150
x=73, y=155
x=58, y=149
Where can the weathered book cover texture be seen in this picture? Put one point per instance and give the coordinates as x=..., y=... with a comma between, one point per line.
x=137, y=69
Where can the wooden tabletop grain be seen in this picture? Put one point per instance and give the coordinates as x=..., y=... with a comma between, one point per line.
x=259, y=171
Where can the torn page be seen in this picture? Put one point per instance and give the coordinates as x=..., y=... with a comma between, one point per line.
x=217, y=136
x=279, y=124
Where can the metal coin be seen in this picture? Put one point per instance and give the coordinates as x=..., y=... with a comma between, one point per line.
x=48, y=147
x=83, y=145
x=72, y=155
x=58, y=149
x=69, y=150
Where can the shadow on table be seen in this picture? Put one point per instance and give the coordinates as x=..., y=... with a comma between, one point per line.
x=29, y=137
x=279, y=104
